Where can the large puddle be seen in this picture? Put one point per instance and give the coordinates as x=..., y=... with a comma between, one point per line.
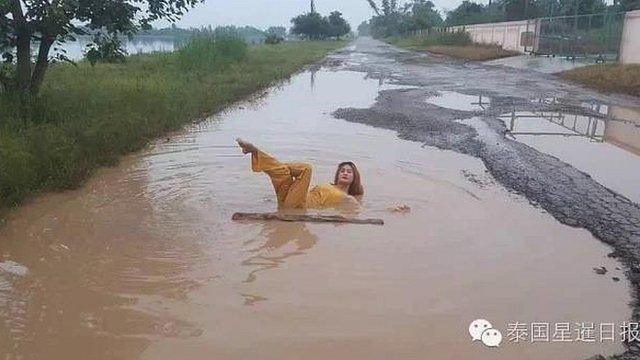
x=541, y=64
x=144, y=261
x=607, y=148
x=458, y=101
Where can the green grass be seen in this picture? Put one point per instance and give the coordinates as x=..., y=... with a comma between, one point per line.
x=86, y=117
x=457, y=45
x=607, y=77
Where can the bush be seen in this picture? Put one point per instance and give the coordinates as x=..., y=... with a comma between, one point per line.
x=273, y=39
x=452, y=38
x=105, y=48
x=209, y=52
x=18, y=169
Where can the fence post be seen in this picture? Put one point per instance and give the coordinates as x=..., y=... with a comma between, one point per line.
x=536, y=35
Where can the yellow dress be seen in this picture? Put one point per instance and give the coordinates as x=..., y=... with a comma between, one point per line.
x=291, y=183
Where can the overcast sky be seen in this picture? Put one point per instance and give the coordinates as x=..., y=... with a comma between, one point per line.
x=265, y=13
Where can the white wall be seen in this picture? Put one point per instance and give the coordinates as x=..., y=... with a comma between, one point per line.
x=506, y=34
x=630, y=43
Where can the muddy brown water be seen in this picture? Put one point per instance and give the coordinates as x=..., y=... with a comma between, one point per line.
x=143, y=262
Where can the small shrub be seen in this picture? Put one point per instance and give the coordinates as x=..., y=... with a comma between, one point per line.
x=453, y=38
x=209, y=52
x=443, y=38
x=105, y=48
x=273, y=39
x=18, y=169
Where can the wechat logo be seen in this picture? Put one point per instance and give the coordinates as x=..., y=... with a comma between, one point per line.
x=481, y=329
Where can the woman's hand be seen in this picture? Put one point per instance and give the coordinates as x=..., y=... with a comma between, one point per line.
x=348, y=199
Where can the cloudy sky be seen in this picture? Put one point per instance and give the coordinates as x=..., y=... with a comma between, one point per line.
x=265, y=13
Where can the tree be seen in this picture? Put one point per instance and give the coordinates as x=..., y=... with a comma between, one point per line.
x=275, y=35
x=423, y=14
x=529, y=9
x=364, y=29
x=386, y=7
x=311, y=26
x=374, y=6
x=626, y=5
x=568, y=7
x=394, y=20
x=279, y=31
x=470, y=13
x=106, y=49
x=49, y=22
x=338, y=26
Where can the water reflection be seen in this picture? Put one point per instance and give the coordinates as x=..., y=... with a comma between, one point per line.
x=282, y=241
x=604, y=144
x=459, y=101
x=589, y=127
x=312, y=77
x=382, y=77
x=624, y=133
x=616, y=125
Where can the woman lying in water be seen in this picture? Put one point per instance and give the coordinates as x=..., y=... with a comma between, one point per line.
x=291, y=181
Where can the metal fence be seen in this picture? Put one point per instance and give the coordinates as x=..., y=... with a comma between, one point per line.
x=582, y=36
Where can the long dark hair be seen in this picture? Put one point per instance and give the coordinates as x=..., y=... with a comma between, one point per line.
x=355, y=189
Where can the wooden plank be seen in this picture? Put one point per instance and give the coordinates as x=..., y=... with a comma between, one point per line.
x=304, y=217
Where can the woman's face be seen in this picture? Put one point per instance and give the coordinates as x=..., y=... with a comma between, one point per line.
x=345, y=175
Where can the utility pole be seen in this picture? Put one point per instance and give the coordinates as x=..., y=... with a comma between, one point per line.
x=313, y=6
x=576, y=4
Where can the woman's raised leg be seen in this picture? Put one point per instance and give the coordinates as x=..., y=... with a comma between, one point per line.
x=297, y=195
x=290, y=180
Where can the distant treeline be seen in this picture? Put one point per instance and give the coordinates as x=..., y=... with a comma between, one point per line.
x=393, y=18
x=249, y=34
x=510, y=10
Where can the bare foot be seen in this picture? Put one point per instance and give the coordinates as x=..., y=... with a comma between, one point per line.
x=246, y=146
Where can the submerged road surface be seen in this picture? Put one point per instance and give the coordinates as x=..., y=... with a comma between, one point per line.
x=144, y=262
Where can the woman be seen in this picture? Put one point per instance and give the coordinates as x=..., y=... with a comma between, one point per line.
x=291, y=181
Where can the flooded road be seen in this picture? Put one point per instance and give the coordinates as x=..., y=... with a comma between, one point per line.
x=144, y=262
x=607, y=148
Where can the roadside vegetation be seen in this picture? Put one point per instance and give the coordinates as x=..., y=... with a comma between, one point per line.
x=591, y=22
x=393, y=19
x=476, y=52
x=607, y=77
x=88, y=116
x=314, y=26
x=478, y=12
x=457, y=45
x=413, y=26
x=401, y=18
